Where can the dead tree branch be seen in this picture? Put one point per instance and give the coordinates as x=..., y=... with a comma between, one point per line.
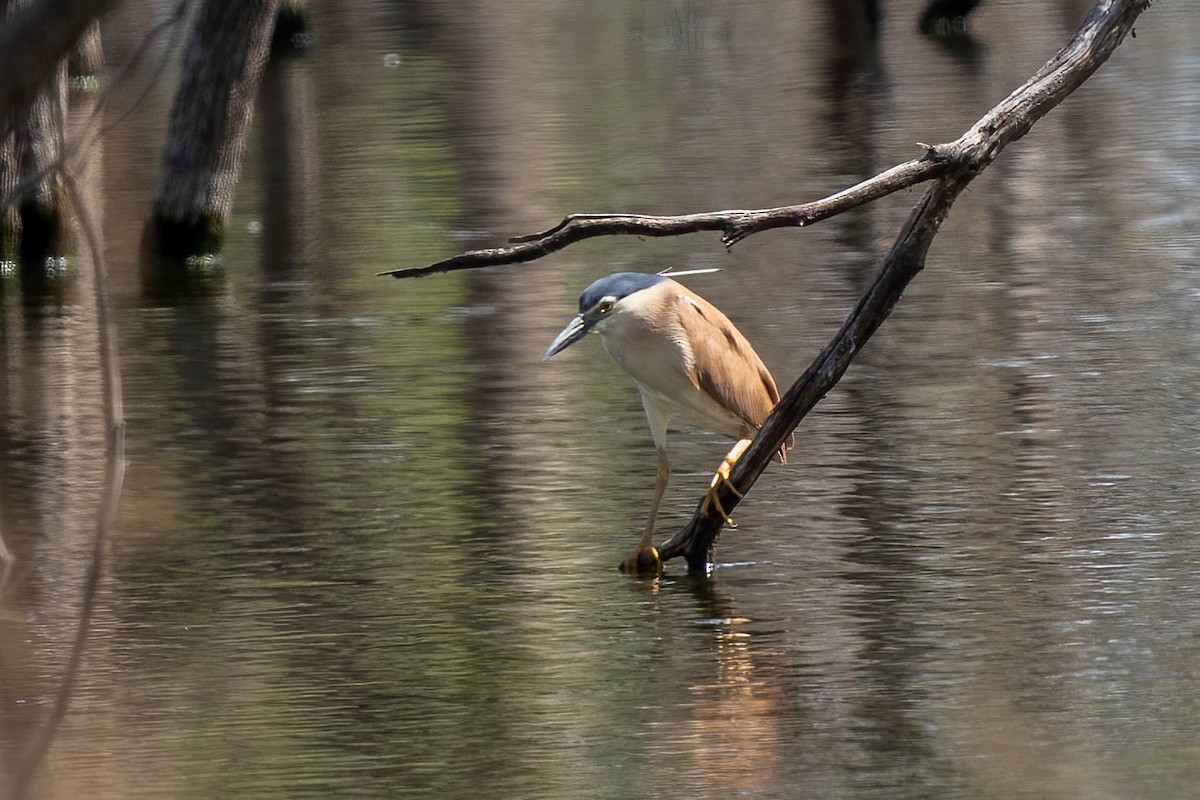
x=1103, y=30
x=734, y=225
x=951, y=166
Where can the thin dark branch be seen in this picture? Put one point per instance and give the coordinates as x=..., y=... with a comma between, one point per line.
x=734, y=225
x=1105, y=27
x=114, y=475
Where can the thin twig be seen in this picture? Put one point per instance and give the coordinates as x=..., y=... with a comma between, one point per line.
x=1006, y=122
x=173, y=20
x=114, y=473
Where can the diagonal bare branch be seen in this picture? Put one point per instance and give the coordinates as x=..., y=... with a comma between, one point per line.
x=1103, y=30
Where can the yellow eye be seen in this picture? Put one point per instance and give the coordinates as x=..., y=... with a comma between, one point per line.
x=605, y=306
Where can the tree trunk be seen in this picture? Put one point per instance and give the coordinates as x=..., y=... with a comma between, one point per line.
x=38, y=144
x=10, y=224
x=87, y=60
x=946, y=17
x=222, y=66
x=33, y=40
x=291, y=35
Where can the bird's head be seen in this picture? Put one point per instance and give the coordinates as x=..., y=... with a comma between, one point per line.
x=599, y=303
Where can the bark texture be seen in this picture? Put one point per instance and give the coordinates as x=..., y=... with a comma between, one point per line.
x=33, y=41
x=10, y=225
x=39, y=138
x=87, y=59
x=222, y=66
x=35, y=38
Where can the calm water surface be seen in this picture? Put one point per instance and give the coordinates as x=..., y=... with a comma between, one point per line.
x=366, y=542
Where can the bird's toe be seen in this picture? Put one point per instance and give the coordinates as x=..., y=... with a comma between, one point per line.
x=643, y=562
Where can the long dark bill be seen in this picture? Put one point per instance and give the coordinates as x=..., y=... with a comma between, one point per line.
x=576, y=329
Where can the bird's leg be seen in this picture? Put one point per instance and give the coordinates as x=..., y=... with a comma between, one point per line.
x=722, y=476
x=645, y=560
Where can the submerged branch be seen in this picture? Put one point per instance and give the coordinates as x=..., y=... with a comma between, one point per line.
x=114, y=475
x=905, y=260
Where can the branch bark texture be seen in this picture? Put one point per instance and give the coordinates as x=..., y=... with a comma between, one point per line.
x=223, y=64
x=32, y=42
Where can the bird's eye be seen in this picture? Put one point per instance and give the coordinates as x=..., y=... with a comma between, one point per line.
x=605, y=306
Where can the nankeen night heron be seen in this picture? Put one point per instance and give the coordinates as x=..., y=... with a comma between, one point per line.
x=688, y=360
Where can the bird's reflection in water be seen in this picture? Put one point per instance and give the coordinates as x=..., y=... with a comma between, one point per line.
x=734, y=734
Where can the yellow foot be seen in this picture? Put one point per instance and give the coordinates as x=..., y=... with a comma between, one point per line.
x=643, y=562
x=712, y=499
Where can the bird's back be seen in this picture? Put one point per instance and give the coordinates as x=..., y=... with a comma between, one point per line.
x=724, y=364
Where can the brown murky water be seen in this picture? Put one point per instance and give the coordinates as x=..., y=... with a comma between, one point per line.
x=366, y=541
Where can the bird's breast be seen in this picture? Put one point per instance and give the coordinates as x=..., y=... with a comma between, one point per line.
x=658, y=358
